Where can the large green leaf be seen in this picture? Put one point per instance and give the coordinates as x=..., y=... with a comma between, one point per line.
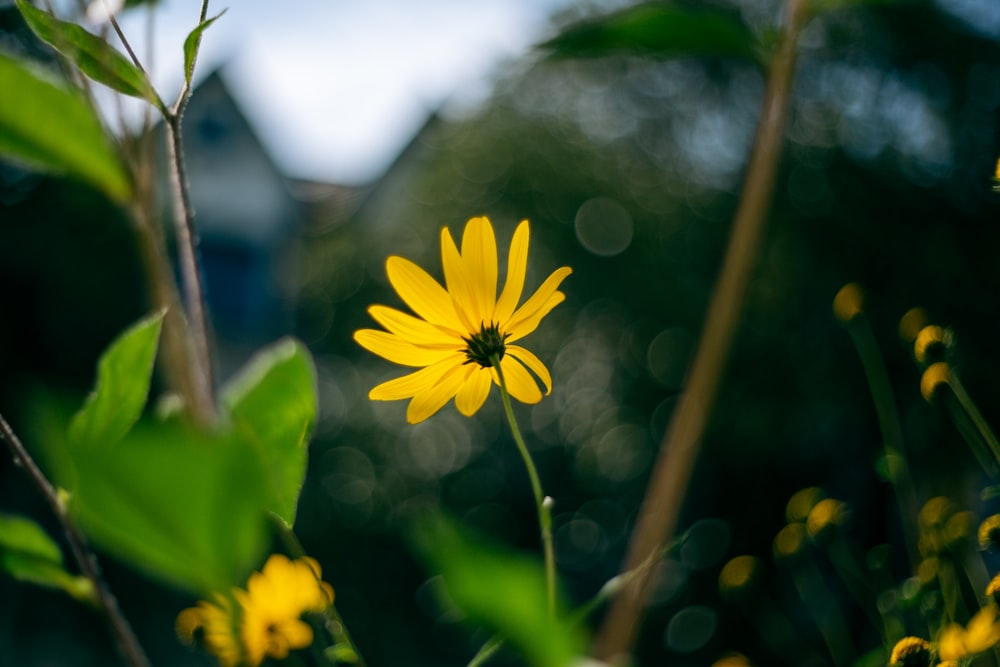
x=181, y=505
x=28, y=554
x=272, y=403
x=51, y=128
x=122, y=386
x=193, y=42
x=659, y=29
x=94, y=56
x=503, y=590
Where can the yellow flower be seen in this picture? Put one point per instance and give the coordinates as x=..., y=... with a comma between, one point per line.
x=989, y=532
x=273, y=604
x=214, y=624
x=910, y=651
x=981, y=634
x=265, y=620
x=460, y=331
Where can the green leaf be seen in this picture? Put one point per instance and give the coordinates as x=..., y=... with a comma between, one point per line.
x=659, y=29
x=192, y=43
x=503, y=590
x=183, y=506
x=94, y=56
x=122, y=387
x=54, y=129
x=28, y=554
x=272, y=403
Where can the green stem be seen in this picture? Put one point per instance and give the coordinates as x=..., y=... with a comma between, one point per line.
x=491, y=646
x=820, y=602
x=542, y=502
x=892, y=432
x=671, y=473
x=334, y=622
x=984, y=430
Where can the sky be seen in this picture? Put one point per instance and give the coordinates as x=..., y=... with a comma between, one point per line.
x=336, y=88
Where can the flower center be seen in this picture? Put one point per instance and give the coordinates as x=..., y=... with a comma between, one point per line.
x=482, y=346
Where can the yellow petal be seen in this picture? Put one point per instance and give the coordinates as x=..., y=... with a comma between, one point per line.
x=295, y=633
x=479, y=254
x=395, y=349
x=520, y=384
x=539, y=301
x=533, y=363
x=410, y=385
x=421, y=293
x=517, y=265
x=459, y=284
x=415, y=330
x=432, y=399
x=522, y=328
x=951, y=645
x=473, y=393
x=982, y=632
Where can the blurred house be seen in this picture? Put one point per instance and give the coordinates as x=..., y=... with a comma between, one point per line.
x=250, y=219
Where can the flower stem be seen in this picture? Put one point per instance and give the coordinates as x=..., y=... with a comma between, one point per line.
x=334, y=622
x=679, y=450
x=85, y=558
x=898, y=471
x=542, y=502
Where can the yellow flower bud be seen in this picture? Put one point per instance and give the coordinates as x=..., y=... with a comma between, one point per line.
x=911, y=323
x=930, y=344
x=849, y=302
x=802, y=502
x=737, y=574
x=937, y=374
x=911, y=652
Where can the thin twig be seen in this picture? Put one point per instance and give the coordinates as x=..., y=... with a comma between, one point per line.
x=85, y=558
x=679, y=450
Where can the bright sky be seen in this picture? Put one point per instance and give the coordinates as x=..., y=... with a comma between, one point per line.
x=335, y=88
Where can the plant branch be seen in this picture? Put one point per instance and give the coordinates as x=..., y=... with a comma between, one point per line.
x=120, y=628
x=187, y=242
x=679, y=449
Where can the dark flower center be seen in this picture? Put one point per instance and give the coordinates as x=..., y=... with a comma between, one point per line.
x=485, y=345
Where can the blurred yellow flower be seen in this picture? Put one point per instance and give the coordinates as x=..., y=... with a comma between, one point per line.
x=737, y=573
x=273, y=604
x=930, y=341
x=989, y=532
x=459, y=331
x=825, y=514
x=981, y=634
x=802, y=502
x=214, y=625
x=910, y=651
x=789, y=540
x=732, y=660
x=849, y=302
x=265, y=620
x=937, y=374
